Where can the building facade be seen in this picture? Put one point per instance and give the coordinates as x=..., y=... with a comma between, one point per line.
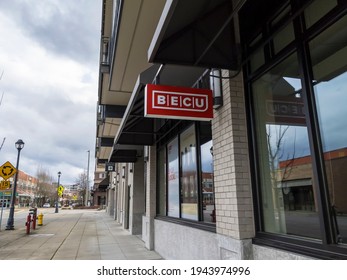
x=26, y=191
x=263, y=179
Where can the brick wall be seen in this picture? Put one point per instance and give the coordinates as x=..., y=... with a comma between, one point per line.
x=234, y=205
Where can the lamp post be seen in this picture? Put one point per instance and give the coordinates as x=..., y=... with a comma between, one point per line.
x=19, y=145
x=56, y=203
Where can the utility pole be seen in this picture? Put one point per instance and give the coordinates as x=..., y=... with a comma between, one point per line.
x=2, y=144
x=87, y=199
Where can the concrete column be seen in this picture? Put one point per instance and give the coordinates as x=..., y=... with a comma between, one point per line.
x=148, y=218
x=109, y=197
x=119, y=196
x=137, y=196
x=125, y=187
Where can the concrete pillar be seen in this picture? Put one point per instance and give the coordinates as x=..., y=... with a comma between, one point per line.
x=148, y=218
x=137, y=196
x=125, y=187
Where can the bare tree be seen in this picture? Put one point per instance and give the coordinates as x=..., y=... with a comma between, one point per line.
x=45, y=191
x=82, y=181
x=276, y=152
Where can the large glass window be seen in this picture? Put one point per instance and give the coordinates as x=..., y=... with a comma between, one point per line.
x=285, y=35
x=288, y=190
x=173, y=200
x=162, y=182
x=299, y=194
x=207, y=180
x=329, y=52
x=189, y=174
x=317, y=9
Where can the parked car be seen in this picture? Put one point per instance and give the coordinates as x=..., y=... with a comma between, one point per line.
x=46, y=205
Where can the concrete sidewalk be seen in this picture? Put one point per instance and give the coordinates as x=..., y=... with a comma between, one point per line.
x=74, y=235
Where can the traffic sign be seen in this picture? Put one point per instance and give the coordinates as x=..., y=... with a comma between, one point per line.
x=4, y=185
x=7, y=193
x=60, y=190
x=7, y=170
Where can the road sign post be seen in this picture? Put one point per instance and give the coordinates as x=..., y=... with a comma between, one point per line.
x=10, y=221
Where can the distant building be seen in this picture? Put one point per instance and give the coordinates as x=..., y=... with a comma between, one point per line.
x=26, y=190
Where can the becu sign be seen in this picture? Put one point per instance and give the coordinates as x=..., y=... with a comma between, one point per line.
x=178, y=102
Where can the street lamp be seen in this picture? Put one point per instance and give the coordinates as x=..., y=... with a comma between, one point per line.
x=19, y=145
x=56, y=203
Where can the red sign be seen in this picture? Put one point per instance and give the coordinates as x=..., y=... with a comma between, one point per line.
x=178, y=103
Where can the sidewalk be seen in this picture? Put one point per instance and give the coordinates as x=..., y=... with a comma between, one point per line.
x=73, y=235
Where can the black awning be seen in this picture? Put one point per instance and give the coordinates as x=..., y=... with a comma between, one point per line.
x=113, y=111
x=101, y=161
x=121, y=154
x=135, y=130
x=104, y=183
x=106, y=141
x=197, y=33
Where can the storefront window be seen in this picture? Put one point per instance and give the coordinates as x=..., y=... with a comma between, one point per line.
x=173, y=201
x=185, y=179
x=207, y=175
x=328, y=54
x=257, y=59
x=283, y=38
x=285, y=35
x=317, y=9
x=288, y=191
x=207, y=184
x=189, y=174
x=162, y=182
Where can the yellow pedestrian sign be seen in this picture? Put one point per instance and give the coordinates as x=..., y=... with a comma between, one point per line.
x=7, y=170
x=60, y=190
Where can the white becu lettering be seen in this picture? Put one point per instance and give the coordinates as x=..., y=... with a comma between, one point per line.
x=174, y=100
x=187, y=102
x=161, y=99
x=201, y=104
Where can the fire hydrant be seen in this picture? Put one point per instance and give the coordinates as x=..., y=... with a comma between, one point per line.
x=33, y=212
x=27, y=224
x=40, y=219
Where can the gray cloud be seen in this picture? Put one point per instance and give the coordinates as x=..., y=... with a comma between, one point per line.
x=66, y=28
x=49, y=53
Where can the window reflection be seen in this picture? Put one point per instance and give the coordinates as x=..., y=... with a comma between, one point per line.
x=207, y=184
x=287, y=189
x=173, y=202
x=328, y=52
x=189, y=192
x=162, y=182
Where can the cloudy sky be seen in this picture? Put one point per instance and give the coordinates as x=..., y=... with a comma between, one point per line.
x=49, y=52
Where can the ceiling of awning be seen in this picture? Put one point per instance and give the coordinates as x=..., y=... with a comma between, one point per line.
x=136, y=130
x=197, y=33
